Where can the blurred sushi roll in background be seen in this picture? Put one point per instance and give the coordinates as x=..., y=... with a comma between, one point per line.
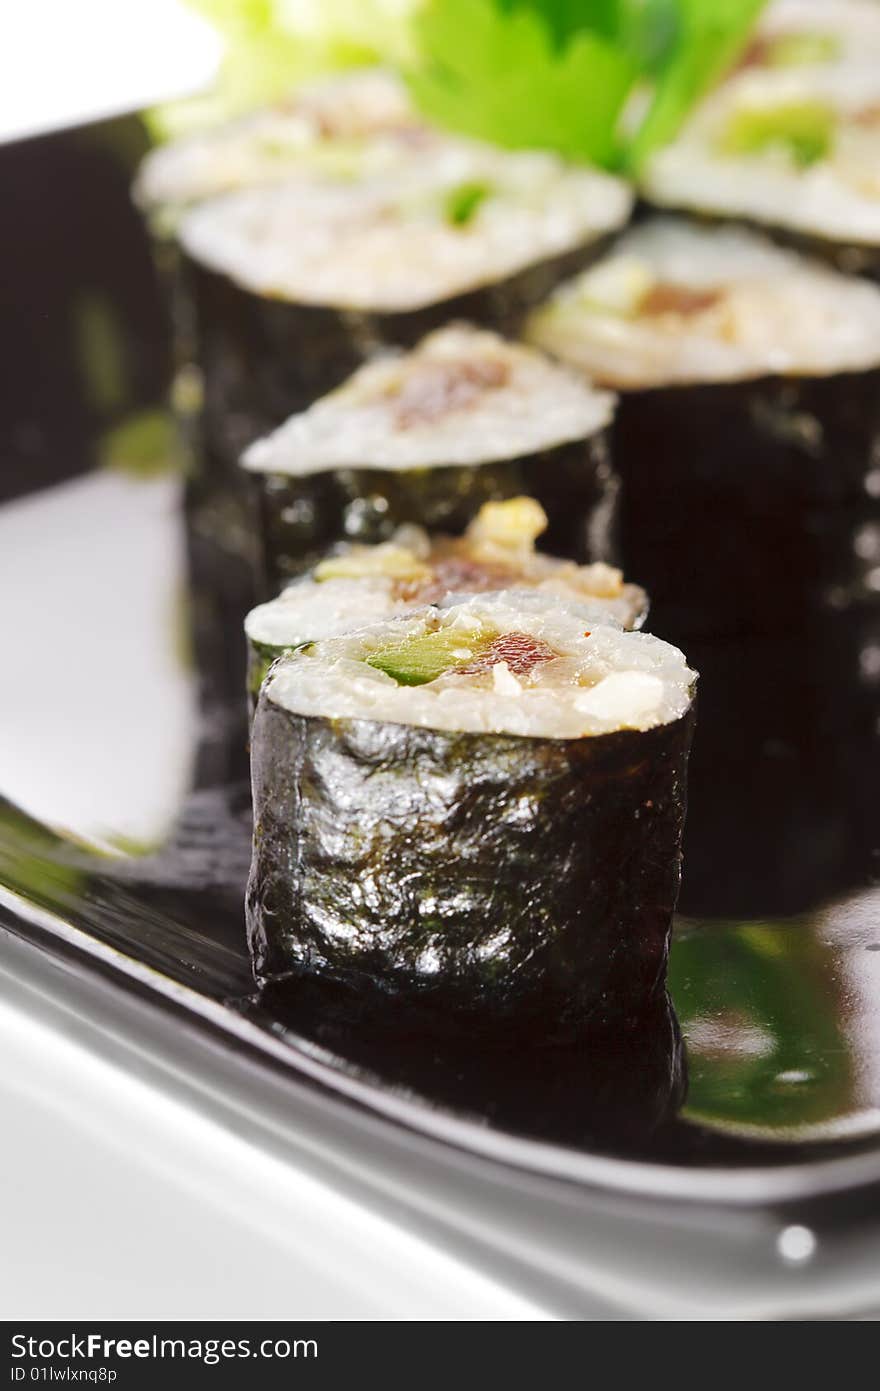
x=792, y=138
x=486, y=804
x=748, y=425
x=814, y=34
x=292, y=287
x=356, y=585
x=427, y=438
x=336, y=128
x=747, y=437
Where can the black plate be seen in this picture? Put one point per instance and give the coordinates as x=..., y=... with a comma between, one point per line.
x=123, y=728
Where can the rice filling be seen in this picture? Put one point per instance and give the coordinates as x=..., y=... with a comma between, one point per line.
x=463, y=396
x=463, y=217
x=676, y=302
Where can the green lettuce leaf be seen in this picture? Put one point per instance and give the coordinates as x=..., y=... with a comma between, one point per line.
x=272, y=46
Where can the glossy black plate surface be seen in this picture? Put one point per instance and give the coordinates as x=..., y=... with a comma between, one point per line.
x=124, y=829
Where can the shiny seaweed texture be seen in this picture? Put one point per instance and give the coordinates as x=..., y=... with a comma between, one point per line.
x=574, y=483
x=489, y=876
x=749, y=506
x=263, y=358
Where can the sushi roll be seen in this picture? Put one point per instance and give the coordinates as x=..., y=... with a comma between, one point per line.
x=474, y=810
x=747, y=430
x=794, y=147
x=815, y=34
x=290, y=288
x=358, y=585
x=338, y=128
x=427, y=437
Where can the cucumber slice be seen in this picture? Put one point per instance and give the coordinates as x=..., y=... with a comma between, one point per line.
x=803, y=50
x=805, y=129
x=424, y=657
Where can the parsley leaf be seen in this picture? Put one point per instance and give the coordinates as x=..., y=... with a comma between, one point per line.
x=711, y=35
x=559, y=74
x=498, y=72
x=567, y=75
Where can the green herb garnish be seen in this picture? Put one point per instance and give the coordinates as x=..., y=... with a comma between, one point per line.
x=273, y=45
x=567, y=76
x=705, y=41
x=804, y=129
x=607, y=81
x=499, y=73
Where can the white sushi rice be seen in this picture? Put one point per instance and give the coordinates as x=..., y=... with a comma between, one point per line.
x=597, y=684
x=389, y=243
x=836, y=197
x=308, y=609
x=750, y=309
x=463, y=396
x=340, y=127
x=817, y=33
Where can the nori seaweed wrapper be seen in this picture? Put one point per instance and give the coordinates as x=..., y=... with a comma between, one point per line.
x=264, y=359
x=850, y=258
x=494, y=877
x=745, y=504
x=301, y=517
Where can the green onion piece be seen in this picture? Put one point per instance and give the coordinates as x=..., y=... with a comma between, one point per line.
x=463, y=202
x=805, y=129
x=802, y=50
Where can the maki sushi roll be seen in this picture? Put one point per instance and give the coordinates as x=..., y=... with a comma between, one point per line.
x=337, y=128
x=358, y=585
x=427, y=437
x=795, y=147
x=815, y=34
x=476, y=811
x=292, y=287
x=746, y=434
